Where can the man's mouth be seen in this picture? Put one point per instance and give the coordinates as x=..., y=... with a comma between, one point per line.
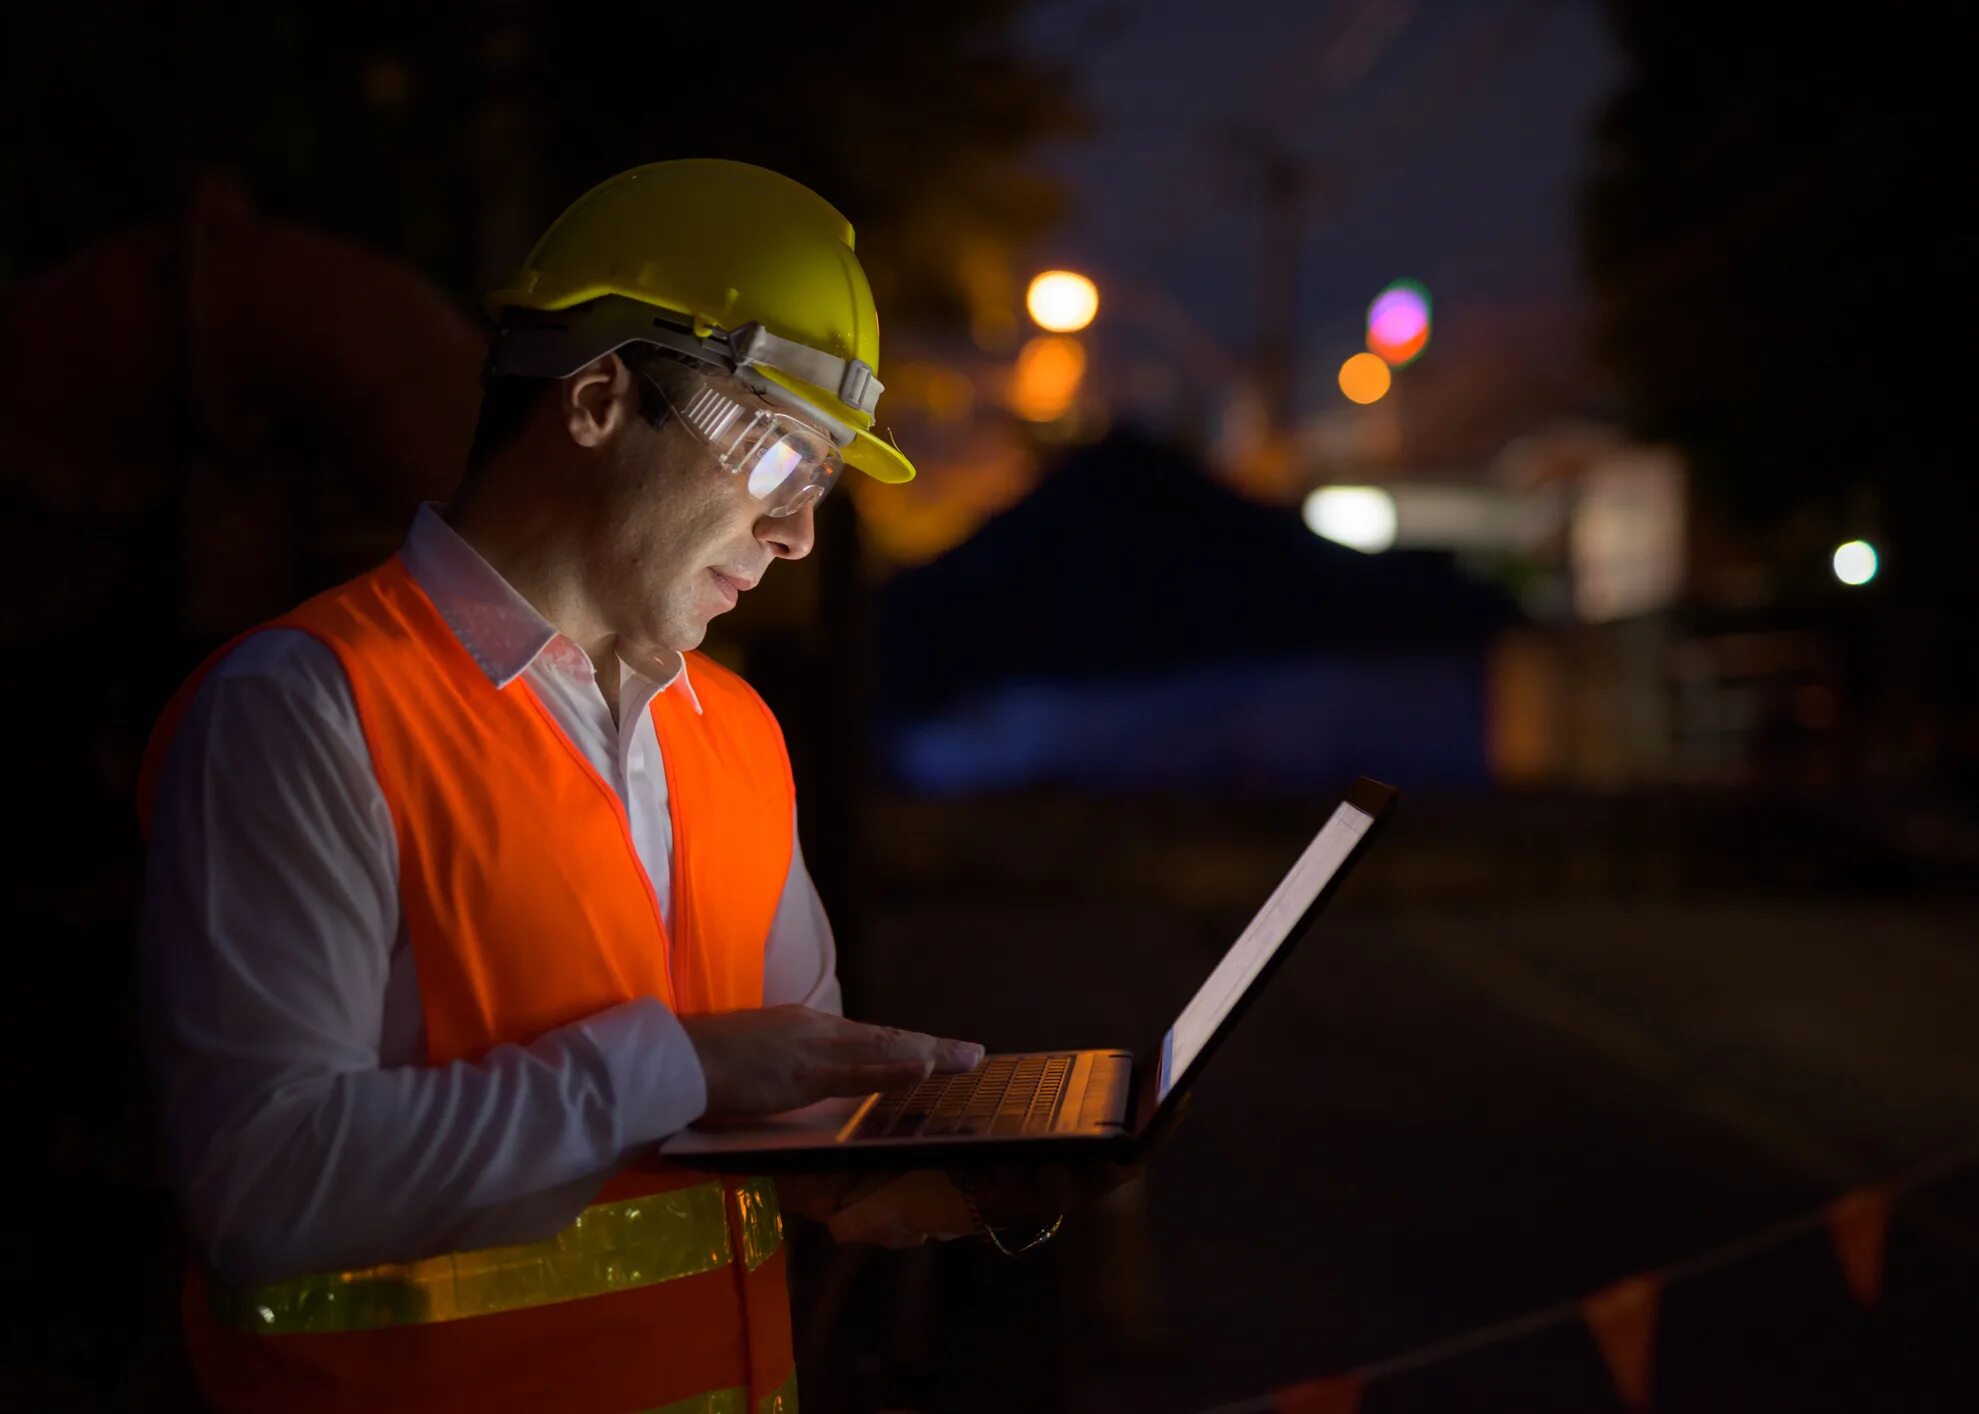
x=731, y=586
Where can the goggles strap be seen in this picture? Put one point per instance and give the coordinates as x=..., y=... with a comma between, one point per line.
x=557, y=347
x=853, y=381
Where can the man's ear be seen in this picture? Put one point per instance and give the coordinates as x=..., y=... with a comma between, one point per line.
x=598, y=401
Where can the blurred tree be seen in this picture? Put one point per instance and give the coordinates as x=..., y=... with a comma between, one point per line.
x=198, y=151
x=451, y=133
x=1772, y=231
x=219, y=394
x=1769, y=230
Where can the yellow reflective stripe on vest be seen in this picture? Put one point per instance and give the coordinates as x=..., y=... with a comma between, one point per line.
x=610, y=1247
x=759, y=1220
x=781, y=1400
x=718, y=1401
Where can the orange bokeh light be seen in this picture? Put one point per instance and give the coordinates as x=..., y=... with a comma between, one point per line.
x=1365, y=378
x=1046, y=378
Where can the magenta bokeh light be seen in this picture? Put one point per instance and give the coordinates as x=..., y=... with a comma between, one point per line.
x=1397, y=317
x=1398, y=322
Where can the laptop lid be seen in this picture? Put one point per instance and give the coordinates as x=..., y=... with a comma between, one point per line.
x=1163, y=1073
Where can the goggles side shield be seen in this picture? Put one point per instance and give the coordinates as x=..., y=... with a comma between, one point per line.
x=786, y=464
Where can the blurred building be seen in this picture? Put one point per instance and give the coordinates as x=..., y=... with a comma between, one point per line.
x=1649, y=646
x=1136, y=624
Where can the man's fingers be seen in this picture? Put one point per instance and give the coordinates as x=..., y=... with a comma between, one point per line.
x=959, y=1055
x=874, y=1044
x=1040, y=1192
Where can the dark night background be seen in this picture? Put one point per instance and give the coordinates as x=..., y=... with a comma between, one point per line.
x=1675, y=935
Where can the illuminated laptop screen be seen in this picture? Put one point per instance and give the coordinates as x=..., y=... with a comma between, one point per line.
x=1257, y=943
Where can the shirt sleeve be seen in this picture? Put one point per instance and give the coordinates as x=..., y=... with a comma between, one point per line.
x=800, y=962
x=266, y=939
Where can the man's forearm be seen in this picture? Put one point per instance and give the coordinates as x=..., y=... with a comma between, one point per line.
x=304, y=1173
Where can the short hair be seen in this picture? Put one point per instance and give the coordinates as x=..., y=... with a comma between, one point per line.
x=508, y=400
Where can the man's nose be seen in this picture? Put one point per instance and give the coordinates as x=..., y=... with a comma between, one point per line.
x=789, y=537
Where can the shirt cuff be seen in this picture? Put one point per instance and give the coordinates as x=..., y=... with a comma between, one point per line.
x=657, y=1085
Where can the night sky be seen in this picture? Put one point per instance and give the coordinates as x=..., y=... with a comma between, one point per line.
x=1446, y=137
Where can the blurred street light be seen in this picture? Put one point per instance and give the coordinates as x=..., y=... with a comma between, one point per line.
x=1046, y=378
x=1855, y=562
x=1359, y=517
x=1062, y=301
x=1398, y=322
x=1365, y=378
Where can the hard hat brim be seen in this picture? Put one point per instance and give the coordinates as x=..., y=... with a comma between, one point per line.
x=880, y=460
x=876, y=457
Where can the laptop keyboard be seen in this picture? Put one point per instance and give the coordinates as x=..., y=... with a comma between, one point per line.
x=1004, y=1095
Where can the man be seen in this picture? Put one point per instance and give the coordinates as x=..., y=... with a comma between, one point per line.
x=469, y=880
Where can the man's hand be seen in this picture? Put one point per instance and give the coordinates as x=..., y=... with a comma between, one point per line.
x=778, y=1058
x=906, y=1209
x=1011, y=1194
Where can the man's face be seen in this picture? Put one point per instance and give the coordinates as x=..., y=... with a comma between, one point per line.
x=683, y=538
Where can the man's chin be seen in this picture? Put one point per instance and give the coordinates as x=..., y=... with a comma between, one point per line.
x=657, y=650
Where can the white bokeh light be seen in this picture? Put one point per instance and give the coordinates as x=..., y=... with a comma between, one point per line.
x=1855, y=562
x=1361, y=517
x=1062, y=302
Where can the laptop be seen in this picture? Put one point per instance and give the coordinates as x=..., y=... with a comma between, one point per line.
x=1051, y=1105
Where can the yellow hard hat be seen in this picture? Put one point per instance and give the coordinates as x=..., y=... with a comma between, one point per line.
x=718, y=261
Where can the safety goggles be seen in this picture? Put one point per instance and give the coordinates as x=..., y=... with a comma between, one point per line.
x=786, y=463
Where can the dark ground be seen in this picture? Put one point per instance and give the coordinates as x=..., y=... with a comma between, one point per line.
x=1538, y=1044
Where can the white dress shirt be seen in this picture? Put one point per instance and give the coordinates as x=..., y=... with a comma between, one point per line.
x=304, y=1130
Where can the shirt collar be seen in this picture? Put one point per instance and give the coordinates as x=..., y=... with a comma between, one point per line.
x=501, y=630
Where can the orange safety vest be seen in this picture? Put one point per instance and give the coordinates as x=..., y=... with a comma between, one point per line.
x=526, y=907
